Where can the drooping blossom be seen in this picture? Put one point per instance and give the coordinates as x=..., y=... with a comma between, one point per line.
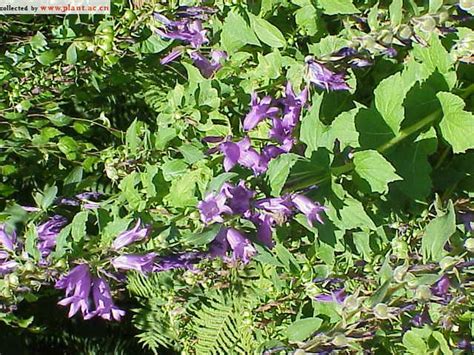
x=243, y=154
x=48, y=232
x=208, y=67
x=178, y=261
x=292, y=107
x=142, y=263
x=467, y=219
x=337, y=296
x=174, y=54
x=264, y=224
x=7, y=240
x=281, y=206
x=239, y=197
x=241, y=247
x=213, y=206
x=230, y=238
x=131, y=236
x=324, y=78
x=260, y=109
x=187, y=30
x=441, y=289
x=104, y=304
x=310, y=209
x=77, y=284
x=8, y=266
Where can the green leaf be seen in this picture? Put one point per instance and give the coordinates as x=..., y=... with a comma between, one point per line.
x=49, y=195
x=38, y=41
x=232, y=40
x=310, y=132
x=31, y=237
x=278, y=171
x=338, y=7
x=371, y=166
x=435, y=5
x=395, y=10
x=353, y=215
x=78, y=226
x=303, y=328
x=217, y=182
x=306, y=18
x=437, y=233
x=389, y=96
x=457, y=125
x=47, y=57
x=443, y=344
x=131, y=137
x=204, y=237
x=71, y=54
x=174, y=168
x=267, y=33
x=61, y=243
x=153, y=44
x=191, y=153
x=414, y=343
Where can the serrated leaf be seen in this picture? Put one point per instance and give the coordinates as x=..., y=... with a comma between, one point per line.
x=78, y=226
x=395, y=10
x=278, y=171
x=303, y=328
x=232, y=40
x=49, y=194
x=371, y=166
x=267, y=33
x=437, y=233
x=338, y=7
x=353, y=215
x=457, y=125
x=389, y=96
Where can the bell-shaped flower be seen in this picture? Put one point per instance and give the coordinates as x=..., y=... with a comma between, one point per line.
x=324, y=78
x=264, y=223
x=186, y=30
x=281, y=206
x=260, y=109
x=310, y=209
x=212, y=207
x=142, y=263
x=178, y=261
x=241, y=247
x=337, y=296
x=208, y=67
x=238, y=197
x=48, y=232
x=7, y=266
x=104, y=304
x=7, y=240
x=77, y=284
x=131, y=236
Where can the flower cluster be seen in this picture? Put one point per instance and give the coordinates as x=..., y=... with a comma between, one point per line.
x=8, y=242
x=264, y=213
x=284, y=115
x=188, y=29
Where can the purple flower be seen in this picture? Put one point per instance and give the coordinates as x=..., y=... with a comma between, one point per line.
x=243, y=154
x=30, y=208
x=441, y=289
x=8, y=266
x=186, y=30
x=178, y=261
x=195, y=11
x=467, y=219
x=104, y=305
x=345, y=52
x=89, y=195
x=227, y=238
x=360, y=63
x=48, y=232
x=280, y=206
x=131, y=236
x=78, y=285
x=264, y=223
x=324, y=78
x=293, y=106
x=7, y=240
x=212, y=207
x=142, y=263
x=175, y=53
x=310, y=209
x=68, y=202
x=241, y=247
x=336, y=296
x=391, y=52
x=465, y=344
x=239, y=197
x=420, y=319
x=260, y=109
x=208, y=67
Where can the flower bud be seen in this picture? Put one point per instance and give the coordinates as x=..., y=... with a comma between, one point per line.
x=351, y=303
x=399, y=273
x=447, y=263
x=466, y=4
x=405, y=32
x=423, y=293
x=299, y=352
x=411, y=280
x=385, y=37
x=29, y=266
x=381, y=311
x=469, y=245
x=340, y=340
x=427, y=24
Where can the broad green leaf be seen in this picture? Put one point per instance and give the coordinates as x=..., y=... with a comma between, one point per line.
x=219, y=180
x=153, y=44
x=49, y=195
x=278, y=171
x=435, y=5
x=204, y=237
x=327, y=45
x=38, y=41
x=395, y=10
x=306, y=18
x=267, y=33
x=338, y=7
x=62, y=243
x=389, y=96
x=437, y=233
x=71, y=54
x=310, y=131
x=443, y=344
x=457, y=125
x=414, y=343
x=31, y=237
x=47, y=57
x=191, y=153
x=303, y=328
x=343, y=129
x=78, y=226
x=131, y=138
x=353, y=215
x=174, y=168
x=371, y=166
x=182, y=191
x=233, y=40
